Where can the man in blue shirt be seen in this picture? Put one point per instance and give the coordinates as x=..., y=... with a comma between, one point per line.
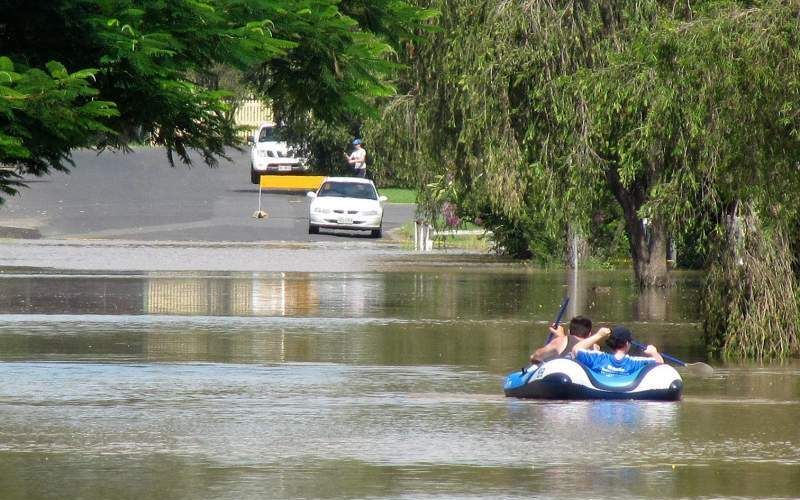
x=618, y=362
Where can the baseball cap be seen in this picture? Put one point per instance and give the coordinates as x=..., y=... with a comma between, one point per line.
x=357, y=142
x=620, y=334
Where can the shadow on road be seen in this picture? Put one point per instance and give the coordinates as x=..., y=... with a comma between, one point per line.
x=279, y=193
x=341, y=233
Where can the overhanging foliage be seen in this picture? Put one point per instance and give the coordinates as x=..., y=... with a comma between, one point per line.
x=148, y=58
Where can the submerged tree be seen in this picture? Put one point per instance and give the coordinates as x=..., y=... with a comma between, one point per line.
x=530, y=115
x=715, y=103
x=486, y=113
x=750, y=305
x=697, y=116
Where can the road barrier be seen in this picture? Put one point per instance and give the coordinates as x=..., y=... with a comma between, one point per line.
x=291, y=182
x=285, y=183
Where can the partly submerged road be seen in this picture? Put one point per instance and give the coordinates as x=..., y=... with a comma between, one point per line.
x=138, y=197
x=118, y=212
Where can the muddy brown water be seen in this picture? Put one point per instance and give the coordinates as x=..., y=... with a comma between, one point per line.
x=362, y=385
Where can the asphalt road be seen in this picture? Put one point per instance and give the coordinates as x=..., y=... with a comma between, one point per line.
x=138, y=196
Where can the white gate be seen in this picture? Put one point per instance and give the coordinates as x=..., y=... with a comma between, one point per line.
x=251, y=113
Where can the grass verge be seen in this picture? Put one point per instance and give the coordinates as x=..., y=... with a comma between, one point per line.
x=444, y=240
x=399, y=195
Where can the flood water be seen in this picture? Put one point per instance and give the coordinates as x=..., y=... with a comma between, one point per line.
x=362, y=385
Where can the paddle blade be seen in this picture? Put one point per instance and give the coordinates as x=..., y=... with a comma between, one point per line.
x=699, y=369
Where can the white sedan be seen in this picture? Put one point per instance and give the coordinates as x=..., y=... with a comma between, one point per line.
x=346, y=203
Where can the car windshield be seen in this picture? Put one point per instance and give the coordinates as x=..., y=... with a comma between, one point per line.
x=270, y=134
x=348, y=190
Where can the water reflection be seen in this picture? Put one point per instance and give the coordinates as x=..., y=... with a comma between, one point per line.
x=448, y=294
x=437, y=316
x=57, y=294
x=374, y=385
x=632, y=415
x=198, y=297
x=617, y=417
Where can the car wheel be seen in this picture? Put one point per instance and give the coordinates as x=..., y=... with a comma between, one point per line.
x=313, y=229
x=377, y=233
x=255, y=177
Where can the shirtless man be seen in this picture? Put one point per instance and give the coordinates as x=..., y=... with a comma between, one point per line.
x=561, y=344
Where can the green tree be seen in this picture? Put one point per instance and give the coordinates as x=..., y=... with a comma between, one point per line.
x=686, y=115
x=45, y=112
x=113, y=71
x=699, y=118
x=484, y=112
x=326, y=132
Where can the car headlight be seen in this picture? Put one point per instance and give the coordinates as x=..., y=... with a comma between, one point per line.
x=320, y=210
x=370, y=212
x=263, y=153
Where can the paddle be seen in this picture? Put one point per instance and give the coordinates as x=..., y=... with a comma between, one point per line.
x=550, y=335
x=558, y=319
x=700, y=369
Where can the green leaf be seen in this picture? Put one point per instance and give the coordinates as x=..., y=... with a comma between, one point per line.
x=6, y=64
x=9, y=77
x=8, y=92
x=84, y=73
x=57, y=70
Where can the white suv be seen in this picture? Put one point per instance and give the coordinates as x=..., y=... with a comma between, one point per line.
x=269, y=154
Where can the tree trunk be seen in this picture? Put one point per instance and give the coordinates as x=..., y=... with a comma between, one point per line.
x=648, y=238
x=649, y=252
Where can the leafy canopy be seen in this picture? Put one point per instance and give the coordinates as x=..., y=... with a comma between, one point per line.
x=86, y=73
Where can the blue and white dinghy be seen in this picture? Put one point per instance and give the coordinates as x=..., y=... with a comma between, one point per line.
x=563, y=378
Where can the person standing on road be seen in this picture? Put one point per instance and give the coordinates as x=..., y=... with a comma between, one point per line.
x=358, y=159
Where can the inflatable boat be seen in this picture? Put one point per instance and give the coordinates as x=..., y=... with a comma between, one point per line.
x=563, y=378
